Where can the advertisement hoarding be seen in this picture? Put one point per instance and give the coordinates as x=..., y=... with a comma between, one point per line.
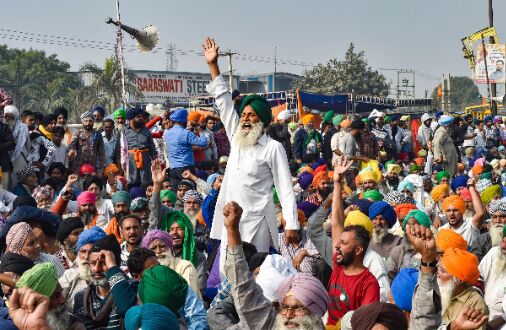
x=495, y=55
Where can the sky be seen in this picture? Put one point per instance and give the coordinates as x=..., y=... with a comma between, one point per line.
x=399, y=34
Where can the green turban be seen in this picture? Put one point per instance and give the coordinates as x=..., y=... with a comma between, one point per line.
x=487, y=175
x=292, y=125
x=388, y=119
x=327, y=117
x=161, y=285
x=366, y=120
x=504, y=231
x=121, y=197
x=413, y=168
x=260, y=106
x=120, y=112
x=442, y=174
x=373, y=194
x=337, y=120
x=391, y=161
x=419, y=216
x=489, y=193
x=41, y=278
x=168, y=194
x=189, y=249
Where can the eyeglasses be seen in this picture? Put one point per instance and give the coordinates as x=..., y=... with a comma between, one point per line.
x=297, y=310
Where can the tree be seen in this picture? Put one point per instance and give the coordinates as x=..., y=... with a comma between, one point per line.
x=353, y=74
x=36, y=82
x=464, y=92
x=104, y=86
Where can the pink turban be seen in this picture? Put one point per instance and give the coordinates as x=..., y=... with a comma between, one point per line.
x=86, y=169
x=308, y=290
x=16, y=237
x=157, y=234
x=86, y=197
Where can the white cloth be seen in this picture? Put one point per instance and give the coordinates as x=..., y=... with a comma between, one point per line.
x=284, y=115
x=495, y=282
x=60, y=155
x=273, y=271
x=71, y=284
x=105, y=212
x=467, y=230
x=376, y=265
x=20, y=135
x=248, y=180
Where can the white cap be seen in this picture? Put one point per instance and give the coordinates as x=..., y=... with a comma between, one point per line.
x=426, y=116
x=376, y=114
x=272, y=272
x=284, y=115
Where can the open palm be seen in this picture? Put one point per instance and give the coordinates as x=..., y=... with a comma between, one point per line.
x=211, y=50
x=341, y=165
x=157, y=172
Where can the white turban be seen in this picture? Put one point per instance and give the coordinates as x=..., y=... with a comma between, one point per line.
x=284, y=115
x=272, y=272
x=12, y=110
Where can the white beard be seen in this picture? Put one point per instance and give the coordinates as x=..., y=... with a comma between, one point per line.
x=99, y=282
x=84, y=270
x=495, y=233
x=446, y=290
x=59, y=318
x=192, y=215
x=166, y=259
x=119, y=127
x=246, y=139
x=499, y=267
x=10, y=123
x=378, y=234
x=308, y=322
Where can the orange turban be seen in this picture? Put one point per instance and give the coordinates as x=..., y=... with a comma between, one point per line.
x=447, y=238
x=306, y=119
x=318, y=178
x=460, y=167
x=419, y=161
x=321, y=168
x=439, y=191
x=301, y=217
x=477, y=169
x=403, y=209
x=346, y=123
x=194, y=116
x=461, y=264
x=456, y=201
x=111, y=168
x=305, y=169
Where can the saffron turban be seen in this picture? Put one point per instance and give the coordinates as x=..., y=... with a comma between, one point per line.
x=161, y=285
x=447, y=238
x=405, y=184
x=41, y=278
x=150, y=317
x=180, y=115
x=346, y=123
x=157, y=234
x=438, y=192
x=321, y=168
x=477, y=169
x=194, y=116
x=403, y=209
x=307, y=119
x=359, y=219
x=260, y=106
x=16, y=236
x=490, y=193
x=461, y=264
x=168, y=194
x=111, y=168
x=455, y=201
x=466, y=195
x=305, y=169
x=86, y=169
x=86, y=197
x=419, y=216
x=384, y=209
x=441, y=175
x=458, y=182
x=319, y=178
x=403, y=287
x=89, y=236
x=372, y=194
x=308, y=290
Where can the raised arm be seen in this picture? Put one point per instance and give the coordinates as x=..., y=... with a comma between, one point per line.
x=341, y=165
x=479, y=214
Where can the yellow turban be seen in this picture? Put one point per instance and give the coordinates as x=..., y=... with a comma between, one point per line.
x=447, y=238
x=393, y=168
x=306, y=119
x=346, y=123
x=455, y=201
x=439, y=191
x=461, y=264
x=490, y=193
x=369, y=174
x=360, y=219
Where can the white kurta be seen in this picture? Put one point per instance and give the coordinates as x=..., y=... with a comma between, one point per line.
x=495, y=282
x=249, y=177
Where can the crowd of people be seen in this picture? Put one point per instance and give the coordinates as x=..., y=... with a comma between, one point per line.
x=244, y=221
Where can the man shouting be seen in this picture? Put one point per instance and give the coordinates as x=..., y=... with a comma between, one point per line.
x=255, y=164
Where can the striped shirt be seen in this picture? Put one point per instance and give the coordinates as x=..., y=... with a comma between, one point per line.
x=289, y=251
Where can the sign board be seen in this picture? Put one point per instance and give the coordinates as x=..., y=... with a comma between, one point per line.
x=495, y=55
x=469, y=40
x=158, y=86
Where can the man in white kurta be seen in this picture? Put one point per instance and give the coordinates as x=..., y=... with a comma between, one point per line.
x=493, y=271
x=250, y=174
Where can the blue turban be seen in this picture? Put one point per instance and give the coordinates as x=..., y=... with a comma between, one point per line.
x=487, y=119
x=100, y=110
x=307, y=207
x=150, y=317
x=305, y=180
x=439, y=113
x=137, y=192
x=363, y=205
x=89, y=236
x=445, y=120
x=403, y=287
x=179, y=116
x=476, y=121
x=122, y=197
x=405, y=184
x=134, y=112
x=459, y=181
x=212, y=178
x=383, y=208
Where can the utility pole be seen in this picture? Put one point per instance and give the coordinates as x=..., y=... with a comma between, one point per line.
x=171, y=64
x=493, y=86
x=275, y=69
x=230, y=71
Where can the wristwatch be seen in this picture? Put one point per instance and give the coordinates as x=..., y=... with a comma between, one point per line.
x=429, y=264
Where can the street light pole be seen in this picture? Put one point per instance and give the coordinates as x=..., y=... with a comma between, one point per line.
x=493, y=86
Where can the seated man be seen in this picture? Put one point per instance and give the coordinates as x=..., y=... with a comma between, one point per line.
x=303, y=299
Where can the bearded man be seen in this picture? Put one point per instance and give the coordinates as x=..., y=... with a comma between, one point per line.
x=77, y=278
x=21, y=139
x=457, y=272
x=121, y=201
x=67, y=234
x=86, y=146
x=255, y=164
x=492, y=238
x=392, y=177
x=135, y=149
x=383, y=218
x=307, y=142
x=42, y=278
x=493, y=271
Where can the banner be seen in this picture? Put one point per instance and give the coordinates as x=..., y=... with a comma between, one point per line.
x=495, y=55
x=158, y=86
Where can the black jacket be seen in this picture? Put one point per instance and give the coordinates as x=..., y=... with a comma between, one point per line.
x=7, y=144
x=280, y=133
